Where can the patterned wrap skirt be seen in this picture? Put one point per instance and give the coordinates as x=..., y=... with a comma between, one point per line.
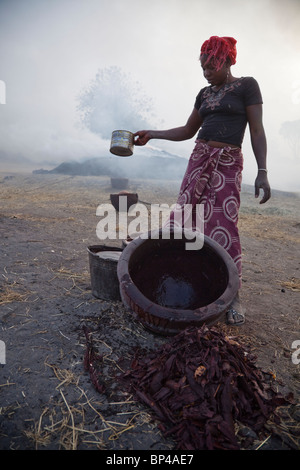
x=213, y=178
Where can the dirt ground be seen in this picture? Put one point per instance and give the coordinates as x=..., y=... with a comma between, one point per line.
x=47, y=400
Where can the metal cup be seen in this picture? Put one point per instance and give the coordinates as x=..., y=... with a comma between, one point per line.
x=122, y=143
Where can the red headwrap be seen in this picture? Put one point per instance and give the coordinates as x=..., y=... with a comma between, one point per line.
x=219, y=49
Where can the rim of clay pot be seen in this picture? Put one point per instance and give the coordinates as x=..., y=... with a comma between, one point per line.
x=175, y=317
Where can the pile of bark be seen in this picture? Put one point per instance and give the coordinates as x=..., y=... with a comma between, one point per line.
x=201, y=385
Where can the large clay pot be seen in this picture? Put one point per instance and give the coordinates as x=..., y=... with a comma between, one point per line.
x=169, y=288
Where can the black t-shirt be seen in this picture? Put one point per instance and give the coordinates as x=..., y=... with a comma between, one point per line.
x=224, y=111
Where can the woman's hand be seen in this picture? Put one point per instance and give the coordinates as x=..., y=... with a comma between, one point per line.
x=142, y=137
x=262, y=182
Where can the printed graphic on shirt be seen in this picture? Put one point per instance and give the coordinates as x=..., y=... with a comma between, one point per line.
x=213, y=98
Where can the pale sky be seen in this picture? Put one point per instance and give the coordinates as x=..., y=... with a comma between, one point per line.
x=51, y=49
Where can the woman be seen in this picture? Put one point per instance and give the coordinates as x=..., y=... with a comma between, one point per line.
x=213, y=176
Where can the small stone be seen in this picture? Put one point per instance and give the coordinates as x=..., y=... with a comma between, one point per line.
x=247, y=432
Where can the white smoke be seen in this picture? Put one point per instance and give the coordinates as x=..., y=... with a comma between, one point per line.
x=113, y=100
x=51, y=51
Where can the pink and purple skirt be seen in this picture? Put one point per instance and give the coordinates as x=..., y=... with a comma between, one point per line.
x=213, y=178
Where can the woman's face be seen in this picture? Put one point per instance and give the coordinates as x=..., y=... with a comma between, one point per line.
x=211, y=74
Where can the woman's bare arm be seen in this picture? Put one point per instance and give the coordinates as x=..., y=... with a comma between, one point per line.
x=259, y=146
x=176, y=134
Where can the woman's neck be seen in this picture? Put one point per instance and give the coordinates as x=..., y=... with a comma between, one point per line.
x=229, y=79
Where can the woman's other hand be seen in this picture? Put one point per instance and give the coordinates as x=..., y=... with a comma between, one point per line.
x=262, y=182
